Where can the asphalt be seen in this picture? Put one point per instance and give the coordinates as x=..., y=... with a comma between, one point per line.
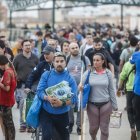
x=122, y=133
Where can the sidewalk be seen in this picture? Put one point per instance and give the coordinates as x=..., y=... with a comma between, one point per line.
x=122, y=133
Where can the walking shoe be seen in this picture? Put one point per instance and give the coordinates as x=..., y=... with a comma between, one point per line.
x=22, y=129
x=78, y=130
x=133, y=135
x=30, y=129
x=70, y=128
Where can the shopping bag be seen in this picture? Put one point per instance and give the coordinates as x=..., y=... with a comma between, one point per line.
x=86, y=91
x=115, y=119
x=32, y=118
x=29, y=101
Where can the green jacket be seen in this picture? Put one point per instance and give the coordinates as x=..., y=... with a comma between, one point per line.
x=123, y=75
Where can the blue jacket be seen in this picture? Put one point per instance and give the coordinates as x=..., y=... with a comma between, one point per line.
x=52, y=78
x=37, y=72
x=135, y=59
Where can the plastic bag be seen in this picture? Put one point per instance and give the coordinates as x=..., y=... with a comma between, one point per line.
x=32, y=118
x=115, y=119
x=62, y=91
x=29, y=101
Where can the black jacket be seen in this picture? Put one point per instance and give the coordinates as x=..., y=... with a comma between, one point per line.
x=35, y=75
x=91, y=52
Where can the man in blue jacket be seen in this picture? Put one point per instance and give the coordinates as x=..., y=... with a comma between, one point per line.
x=135, y=59
x=54, y=112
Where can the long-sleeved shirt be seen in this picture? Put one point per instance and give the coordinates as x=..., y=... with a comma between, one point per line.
x=124, y=74
x=52, y=78
x=24, y=66
x=102, y=88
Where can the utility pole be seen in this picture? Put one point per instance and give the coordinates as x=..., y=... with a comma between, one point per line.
x=53, y=15
x=122, y=17
x=10, y=25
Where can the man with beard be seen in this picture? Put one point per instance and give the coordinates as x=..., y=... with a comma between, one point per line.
x=54, y=111
x=74, y=66
x=23, y=63
x=99, y=48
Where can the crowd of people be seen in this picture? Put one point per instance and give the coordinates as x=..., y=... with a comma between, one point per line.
x=68, y=54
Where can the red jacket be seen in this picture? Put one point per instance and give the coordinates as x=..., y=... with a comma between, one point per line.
x=8, y=79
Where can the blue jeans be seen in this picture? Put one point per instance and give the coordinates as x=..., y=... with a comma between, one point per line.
x=20, y=97
x=49, y=122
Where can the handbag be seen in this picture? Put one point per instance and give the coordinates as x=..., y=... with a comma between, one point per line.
x=86, y=91
x=32, y=118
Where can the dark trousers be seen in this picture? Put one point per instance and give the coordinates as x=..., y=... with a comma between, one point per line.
x=8, y=123
x=137, y=111
x=130, y=108
x=49, y=122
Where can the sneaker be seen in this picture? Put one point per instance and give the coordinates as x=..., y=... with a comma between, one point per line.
x=22, y=129
x=78, y=130
x=70, y=128
x=30, y=130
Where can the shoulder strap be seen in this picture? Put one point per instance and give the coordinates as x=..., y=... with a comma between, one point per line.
x=126, y=79
x=49, y=75
x=84, y=60
x=68, y=59
x=133, y=68
x=87, y=78
x=129, y=51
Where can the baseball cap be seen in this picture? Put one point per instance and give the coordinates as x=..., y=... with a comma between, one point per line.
x=48, y=49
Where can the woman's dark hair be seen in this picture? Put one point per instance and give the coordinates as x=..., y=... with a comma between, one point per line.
x=103, y=58
x=3, y=60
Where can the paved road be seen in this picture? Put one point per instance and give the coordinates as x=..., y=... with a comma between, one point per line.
x=122, y=133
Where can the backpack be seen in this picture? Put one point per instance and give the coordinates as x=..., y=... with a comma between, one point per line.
x=82, y=58
x=106, y=45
